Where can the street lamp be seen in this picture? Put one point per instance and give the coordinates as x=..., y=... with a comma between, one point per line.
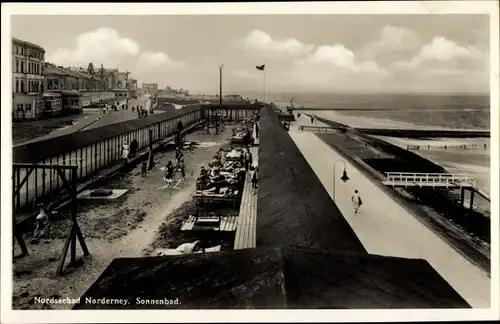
x=344, y=177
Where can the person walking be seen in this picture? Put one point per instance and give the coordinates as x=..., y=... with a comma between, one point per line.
x=356, y=201
x=256, y=130
x=134, y=146
x=255, y=178
x=248, y=159
x=144, y=168
x=169, y=174
x=182, y=168
x=125, y=152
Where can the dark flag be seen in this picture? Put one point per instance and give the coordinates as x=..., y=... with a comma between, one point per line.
x=260, y=67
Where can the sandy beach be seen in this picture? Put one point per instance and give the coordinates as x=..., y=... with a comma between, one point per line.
x=146, y=217
x=368, y=122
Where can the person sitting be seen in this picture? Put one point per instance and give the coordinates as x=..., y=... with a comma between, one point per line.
x=42, y=220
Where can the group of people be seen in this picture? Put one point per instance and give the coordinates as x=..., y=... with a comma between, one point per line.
x=218, y=122
x=141, y=112
x=129, y=151
x=177, y=165
x=226, y=171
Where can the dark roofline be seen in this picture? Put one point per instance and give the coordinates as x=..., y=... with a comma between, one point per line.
x=38, y=151
x=23, y=42
x=293, y=206
x=274, y=278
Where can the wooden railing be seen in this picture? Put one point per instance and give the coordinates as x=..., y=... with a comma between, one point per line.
x=429, y=179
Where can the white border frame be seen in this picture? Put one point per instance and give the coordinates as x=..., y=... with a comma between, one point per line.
x=87, y=316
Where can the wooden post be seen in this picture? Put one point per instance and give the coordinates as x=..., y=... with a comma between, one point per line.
x=150, y=139
x=462, y=196
x=471, y=200
x=75, y=229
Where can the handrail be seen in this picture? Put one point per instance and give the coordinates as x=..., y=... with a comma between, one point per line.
x=426, y=174
x=426, y=178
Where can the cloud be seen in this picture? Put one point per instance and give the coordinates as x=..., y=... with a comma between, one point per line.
x=103, y=45
x=157, y=62
x=259, y=41
x=390, y=39
x=245, y=74
x=441, y=52
x=337, y=58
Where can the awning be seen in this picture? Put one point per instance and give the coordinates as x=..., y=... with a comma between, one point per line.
x=71, y=93
x=51, y=95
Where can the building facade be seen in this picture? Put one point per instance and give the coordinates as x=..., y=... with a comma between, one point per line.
x=27, y=80
x=132, y=86
x=151, y=88
x=62, y=96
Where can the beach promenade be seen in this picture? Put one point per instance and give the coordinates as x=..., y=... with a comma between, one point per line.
x=95, y=120
x=384, y=226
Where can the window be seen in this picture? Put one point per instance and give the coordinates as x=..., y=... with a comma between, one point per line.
x=19, y=107
x=17, y=66
x=22, y=51
x=22, y=85
x=22, y=67
x=17, y=85
x=28, y=107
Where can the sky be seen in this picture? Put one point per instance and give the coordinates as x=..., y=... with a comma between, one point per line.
x=302, y=53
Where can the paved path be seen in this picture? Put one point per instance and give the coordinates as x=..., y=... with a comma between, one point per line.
x=385, y=228
x=92, y=120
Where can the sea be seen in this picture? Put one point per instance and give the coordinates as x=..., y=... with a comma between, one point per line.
x=414, y=111
x=457, y=111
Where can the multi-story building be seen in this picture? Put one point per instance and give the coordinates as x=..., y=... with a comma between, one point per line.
x=62, y=95
x=109, y=77
x=132, y=86
x=122, y=84
x=151, y=88
x=88, y=80
x=59, y=78
x=27, y=79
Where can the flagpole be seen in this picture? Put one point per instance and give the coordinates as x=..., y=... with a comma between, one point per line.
x=264, y=85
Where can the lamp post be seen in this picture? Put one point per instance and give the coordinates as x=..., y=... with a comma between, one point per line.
x=344, y=177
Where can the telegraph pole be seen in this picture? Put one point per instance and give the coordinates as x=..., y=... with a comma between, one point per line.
x=220, y=84
x=220, y=99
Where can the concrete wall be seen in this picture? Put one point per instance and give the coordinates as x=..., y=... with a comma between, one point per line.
x=91, y=159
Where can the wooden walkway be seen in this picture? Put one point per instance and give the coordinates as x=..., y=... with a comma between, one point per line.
x=227, y=224
x=246, y=237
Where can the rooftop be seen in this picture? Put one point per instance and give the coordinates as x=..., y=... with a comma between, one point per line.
x=22, y=42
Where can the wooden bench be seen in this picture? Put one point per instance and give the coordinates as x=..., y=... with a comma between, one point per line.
x=226, y=224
